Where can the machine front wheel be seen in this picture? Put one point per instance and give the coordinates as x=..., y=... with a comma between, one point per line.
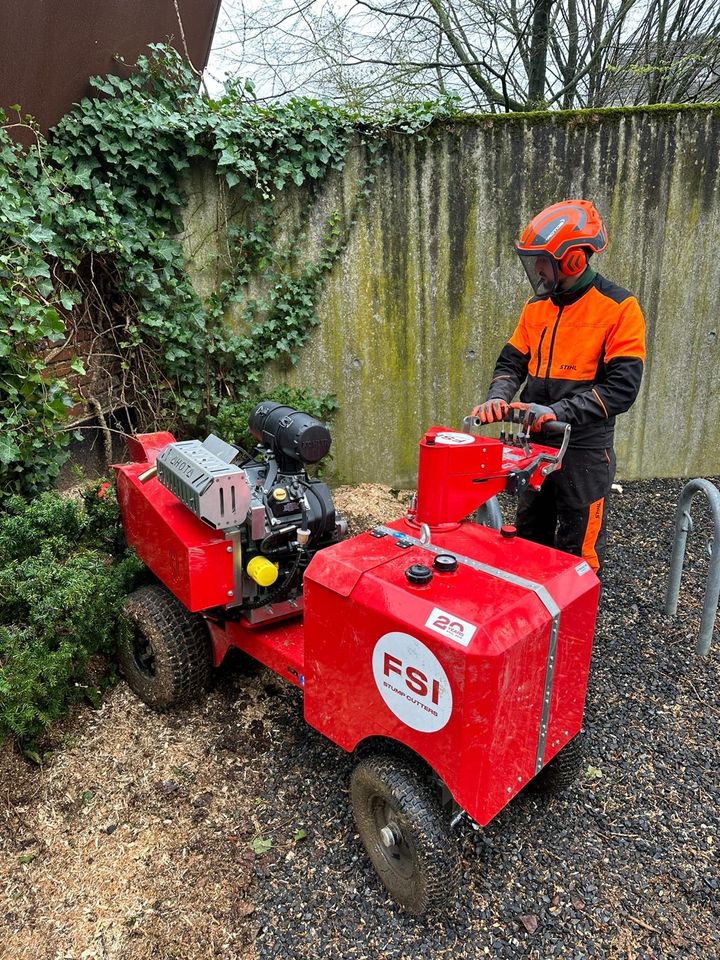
x=406, y=834
x=167, y=659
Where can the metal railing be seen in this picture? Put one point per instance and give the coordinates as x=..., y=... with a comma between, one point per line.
x=683, y=526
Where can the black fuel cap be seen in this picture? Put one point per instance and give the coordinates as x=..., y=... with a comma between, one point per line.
x=418, y=574
x=445, y=563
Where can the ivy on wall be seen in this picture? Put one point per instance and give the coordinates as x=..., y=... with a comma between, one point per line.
x=93, y=216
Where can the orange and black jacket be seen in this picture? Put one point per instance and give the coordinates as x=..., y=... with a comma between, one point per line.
x=580, y=352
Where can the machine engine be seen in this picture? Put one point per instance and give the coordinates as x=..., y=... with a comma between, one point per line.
x=275, y=515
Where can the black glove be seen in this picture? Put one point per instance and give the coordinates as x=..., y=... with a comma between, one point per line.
x=535, y=415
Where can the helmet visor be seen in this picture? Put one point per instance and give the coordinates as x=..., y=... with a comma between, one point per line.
x=542, y=271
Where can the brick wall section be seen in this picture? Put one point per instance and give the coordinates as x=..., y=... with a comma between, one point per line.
x=102, y=378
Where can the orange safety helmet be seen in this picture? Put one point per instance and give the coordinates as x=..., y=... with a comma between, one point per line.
x=558, y=241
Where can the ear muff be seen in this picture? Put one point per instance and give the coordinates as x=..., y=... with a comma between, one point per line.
x=573, y=263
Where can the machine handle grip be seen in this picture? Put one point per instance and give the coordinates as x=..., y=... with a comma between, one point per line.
x=148, y=474
x=554, y=428
x=551, y=428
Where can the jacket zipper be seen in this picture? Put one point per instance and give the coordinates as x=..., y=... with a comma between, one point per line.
x=539, y=354
x=550, y=354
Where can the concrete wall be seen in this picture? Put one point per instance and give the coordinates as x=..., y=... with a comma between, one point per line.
x=429, y=288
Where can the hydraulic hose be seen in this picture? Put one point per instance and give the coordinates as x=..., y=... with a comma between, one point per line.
x=323, y=511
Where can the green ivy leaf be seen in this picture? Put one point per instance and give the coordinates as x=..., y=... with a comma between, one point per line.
x=9, y=450
x=260, y=845
x=68, y=299
x=52, y=325
x=37, y=269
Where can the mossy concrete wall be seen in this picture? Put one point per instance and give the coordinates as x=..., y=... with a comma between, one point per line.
x=429, y=288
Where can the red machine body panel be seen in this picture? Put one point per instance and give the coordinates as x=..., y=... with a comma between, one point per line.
x=458, y=471
x=148, y=446
x=187, y=555
x=455, y=669
x=278, y=646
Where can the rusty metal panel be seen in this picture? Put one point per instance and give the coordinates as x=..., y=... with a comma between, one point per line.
x=49, y=48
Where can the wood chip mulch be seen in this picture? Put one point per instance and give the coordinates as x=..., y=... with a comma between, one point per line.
x=223, y=830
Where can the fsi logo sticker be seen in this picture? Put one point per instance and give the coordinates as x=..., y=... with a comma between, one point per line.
x=453, y=439
x=412, y=682
x=449, y=626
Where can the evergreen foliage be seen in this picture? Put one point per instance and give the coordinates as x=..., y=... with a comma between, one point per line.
x=61, y=591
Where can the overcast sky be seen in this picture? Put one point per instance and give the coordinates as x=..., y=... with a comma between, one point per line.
x=238, y=49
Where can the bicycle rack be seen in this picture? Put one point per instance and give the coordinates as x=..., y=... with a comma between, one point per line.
x=683, y=526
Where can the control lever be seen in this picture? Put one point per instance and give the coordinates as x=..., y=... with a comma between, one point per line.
x=507, y=436
x=553, y=462
x=519, y=479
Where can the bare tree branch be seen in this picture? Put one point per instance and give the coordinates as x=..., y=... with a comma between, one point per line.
x=504, y=55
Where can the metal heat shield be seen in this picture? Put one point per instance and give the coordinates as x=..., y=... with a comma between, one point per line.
x=214, y=490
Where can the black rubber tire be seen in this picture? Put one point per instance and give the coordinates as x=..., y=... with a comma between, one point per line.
x=565, y=768
x=168, y=662
x=422, y=871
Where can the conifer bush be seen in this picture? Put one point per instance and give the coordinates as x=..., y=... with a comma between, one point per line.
x=61, y=591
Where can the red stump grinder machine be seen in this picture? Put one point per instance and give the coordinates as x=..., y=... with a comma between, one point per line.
x=450, y=658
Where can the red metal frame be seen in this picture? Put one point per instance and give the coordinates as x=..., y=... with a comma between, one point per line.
x=278, y=646
x=482, y=671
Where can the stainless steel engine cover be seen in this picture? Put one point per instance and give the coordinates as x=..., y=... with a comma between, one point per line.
x=216, y=491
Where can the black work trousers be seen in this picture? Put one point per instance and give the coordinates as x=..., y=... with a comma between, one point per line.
x=570, y=509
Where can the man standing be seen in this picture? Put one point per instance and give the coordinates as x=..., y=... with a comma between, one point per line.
x=579, y=348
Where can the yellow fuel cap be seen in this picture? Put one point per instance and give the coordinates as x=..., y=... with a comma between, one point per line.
x=279, y=494
x=262, y=571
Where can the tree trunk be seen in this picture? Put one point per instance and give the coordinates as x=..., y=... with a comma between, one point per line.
x=539, y=37
x=572, y=55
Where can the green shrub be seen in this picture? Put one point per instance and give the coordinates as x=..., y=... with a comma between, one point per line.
x=61, y=590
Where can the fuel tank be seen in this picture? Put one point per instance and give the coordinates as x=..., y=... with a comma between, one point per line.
x=473, y=650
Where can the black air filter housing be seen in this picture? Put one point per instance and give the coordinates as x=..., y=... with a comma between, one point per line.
x=294, y=437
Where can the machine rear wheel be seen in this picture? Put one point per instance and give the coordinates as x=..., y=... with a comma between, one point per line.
x=564, y=769
x=405, y=832
x=167, y=661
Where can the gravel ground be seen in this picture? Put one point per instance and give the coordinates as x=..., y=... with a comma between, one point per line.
x=232, y=836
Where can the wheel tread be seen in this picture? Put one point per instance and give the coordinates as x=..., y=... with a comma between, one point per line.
x=564, y=769
x=181, y=645
x=409, y=786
